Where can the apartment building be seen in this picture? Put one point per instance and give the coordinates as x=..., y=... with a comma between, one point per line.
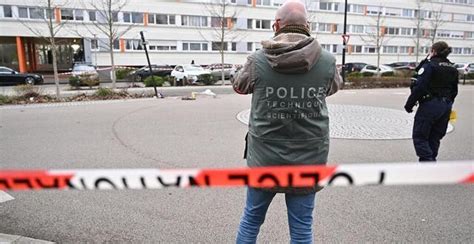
x=179, y=31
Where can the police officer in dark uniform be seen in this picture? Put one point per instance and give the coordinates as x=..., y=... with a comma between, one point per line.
x=435, y=89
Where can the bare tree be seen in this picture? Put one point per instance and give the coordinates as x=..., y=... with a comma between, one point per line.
x=106, y=24
x=45, y=11
x=418, y=21
x=223, y=15
x=436, y=21
x=376, y=36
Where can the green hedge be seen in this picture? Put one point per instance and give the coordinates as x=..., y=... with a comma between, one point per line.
x=154, y=81
x=123, y=73
x=377, y=82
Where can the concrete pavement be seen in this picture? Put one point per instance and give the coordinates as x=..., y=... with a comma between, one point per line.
x=171, y=133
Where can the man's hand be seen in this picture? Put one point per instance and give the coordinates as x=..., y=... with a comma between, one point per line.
x=408, y=108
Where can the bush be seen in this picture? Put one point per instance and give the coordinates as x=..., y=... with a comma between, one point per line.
x=207, y=79
x=354, y=75
x=74, y=82
x=388, y=74
x=367, y=74
x=4, y=99
x=405, y=73
x=27, y=91
x=104, y=92
x=470, y=76
x=123, y=73
x=89, y=80
x=154, y=81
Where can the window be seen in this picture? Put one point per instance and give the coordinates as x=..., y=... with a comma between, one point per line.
x=195, y=46
x=469, y=35
x=372, y=10
x=466, y=51
x=133, y=45
x=355, y=8
x=250, y=46
x=162, y=45
x=188, y=20
x=357, y=29
x=127, y=17
x=161, y=19
x=357, y=49
x=392, y=12
x=407, y=13
x=37, y=13
x=329, y=6
x=326, y=27
x=405, y=49
x=249, y=24
x=137, y=18
x=391, y=31
x=263, y=2
x=23, y=12
x=470, y=17
x=95, y=44
x=263, y=24
x=92, y=16
x=370, y=50
x=457, y=50
x=79, y=15
x=234, y=46
x=216, y=46
x=405, y=31
x=390, y=49
x=67, y=14
x=443, y=34
x=457, y=34
x=7, y=12
x=116, y=45
x=218, y=22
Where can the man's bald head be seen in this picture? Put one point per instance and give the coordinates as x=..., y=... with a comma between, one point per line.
x=292, y=12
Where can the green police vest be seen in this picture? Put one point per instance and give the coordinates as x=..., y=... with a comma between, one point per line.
x=289, y=121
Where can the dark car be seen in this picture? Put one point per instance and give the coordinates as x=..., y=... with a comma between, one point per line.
x=354, y=67
x=141, y=74
x=403, y=65
x=10, y=77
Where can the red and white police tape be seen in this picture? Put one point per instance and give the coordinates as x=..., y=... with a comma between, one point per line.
x=286, y=176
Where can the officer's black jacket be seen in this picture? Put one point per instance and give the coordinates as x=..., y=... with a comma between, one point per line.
x=437, y=78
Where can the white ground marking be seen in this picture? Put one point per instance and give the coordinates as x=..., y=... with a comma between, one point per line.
x=4, y=197
x=363, y=122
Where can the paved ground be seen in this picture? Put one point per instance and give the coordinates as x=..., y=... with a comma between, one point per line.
x=171, y=133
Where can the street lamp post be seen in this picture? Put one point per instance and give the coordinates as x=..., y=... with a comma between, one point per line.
x=149, y=64
x=344, y=44
x=96, y=49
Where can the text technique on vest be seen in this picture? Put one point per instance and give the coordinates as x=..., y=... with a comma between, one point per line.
x=294, y=103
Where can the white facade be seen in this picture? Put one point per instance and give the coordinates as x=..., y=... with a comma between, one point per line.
x=184, y=32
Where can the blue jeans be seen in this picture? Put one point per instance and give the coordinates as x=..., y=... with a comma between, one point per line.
x=300, y=216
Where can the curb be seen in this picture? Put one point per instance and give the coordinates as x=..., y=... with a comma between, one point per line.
x=4, y=238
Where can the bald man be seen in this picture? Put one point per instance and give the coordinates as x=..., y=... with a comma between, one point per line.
x=289, y=80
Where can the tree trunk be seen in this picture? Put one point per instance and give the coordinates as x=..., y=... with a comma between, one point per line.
x=55, y=68
x=112, y=71
x=222, y=70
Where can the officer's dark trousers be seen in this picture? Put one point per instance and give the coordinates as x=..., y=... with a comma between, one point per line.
x=431, y=122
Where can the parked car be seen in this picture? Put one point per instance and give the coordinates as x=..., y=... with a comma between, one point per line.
x=86, y=74
x=373, y=69
x=354, y=67
x=465, y=69
x=141, y=74
x=402, y=65
x=216, y=69
x=10, y=77
x=188, y=73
